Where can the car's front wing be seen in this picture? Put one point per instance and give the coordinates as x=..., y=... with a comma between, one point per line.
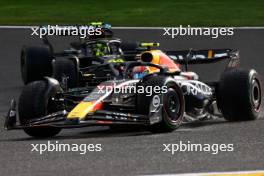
x=59, y=119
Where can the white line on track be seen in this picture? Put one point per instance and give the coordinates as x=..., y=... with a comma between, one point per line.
x=235, y=173
x=155, y=28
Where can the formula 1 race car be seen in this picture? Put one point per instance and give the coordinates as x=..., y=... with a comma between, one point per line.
x=152, y=92
x=40, y=61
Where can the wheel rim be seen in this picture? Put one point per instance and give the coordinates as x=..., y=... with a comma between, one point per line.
x=173, y=105
x=256, y=94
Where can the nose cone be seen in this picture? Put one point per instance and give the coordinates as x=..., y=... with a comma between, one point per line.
x=82, y=109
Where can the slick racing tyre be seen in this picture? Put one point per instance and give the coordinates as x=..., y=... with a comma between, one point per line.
x=129, y=49
x=65, y=67
x=129, y=46
x=36, y=101
x=35, y=63
x=172, y=99
x=239, y=95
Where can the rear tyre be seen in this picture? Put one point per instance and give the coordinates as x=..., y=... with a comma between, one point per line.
x=172, y=100
x=130, y=50
x=34, y=102
x=129, y=46
x=239, y=95
x=65, y=68
x=35, y=62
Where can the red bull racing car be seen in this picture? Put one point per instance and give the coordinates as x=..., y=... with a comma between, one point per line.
x=153, y=91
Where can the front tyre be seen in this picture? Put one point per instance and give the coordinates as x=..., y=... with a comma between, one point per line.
x=173, y=103
x=240, y=95
x=36, y=101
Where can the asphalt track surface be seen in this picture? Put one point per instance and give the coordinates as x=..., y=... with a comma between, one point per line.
x=128, y=152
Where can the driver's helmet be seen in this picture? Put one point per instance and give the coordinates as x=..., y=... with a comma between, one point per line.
x=106, y=30
x=99, y=49
x=139, y=72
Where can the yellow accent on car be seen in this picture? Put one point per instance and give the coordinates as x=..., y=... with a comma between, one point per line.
x=96, y=23
x=210, y=54
x=81, y=110
x=115, y=60
x=149, y=44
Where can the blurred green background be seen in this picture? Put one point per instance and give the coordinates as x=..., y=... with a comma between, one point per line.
x=133, y=12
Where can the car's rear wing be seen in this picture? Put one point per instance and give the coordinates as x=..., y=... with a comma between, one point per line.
x=186, y=57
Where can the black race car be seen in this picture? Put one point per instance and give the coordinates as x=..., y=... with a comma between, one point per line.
x=40, y=61
x=144, y=92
